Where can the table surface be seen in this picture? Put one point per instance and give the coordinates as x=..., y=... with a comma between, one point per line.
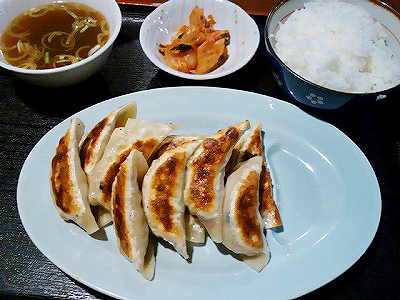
x=28, y=112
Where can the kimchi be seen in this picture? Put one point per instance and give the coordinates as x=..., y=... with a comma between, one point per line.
x=196, y=48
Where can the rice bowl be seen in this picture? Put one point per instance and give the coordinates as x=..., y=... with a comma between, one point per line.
x=338, y=45
x=336, y=60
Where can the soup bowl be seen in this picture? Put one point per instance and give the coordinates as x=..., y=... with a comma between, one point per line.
x=311, y=93
x=69, y=74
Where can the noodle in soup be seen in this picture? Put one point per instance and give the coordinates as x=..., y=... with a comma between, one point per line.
x=53, y=35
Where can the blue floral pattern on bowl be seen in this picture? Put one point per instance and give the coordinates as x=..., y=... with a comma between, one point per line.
x=314, y=99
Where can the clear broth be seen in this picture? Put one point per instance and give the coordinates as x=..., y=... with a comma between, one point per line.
x=53, y=35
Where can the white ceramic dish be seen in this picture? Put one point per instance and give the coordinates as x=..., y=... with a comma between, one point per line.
x=165, y=20
x=73, y=73
x=327, y=193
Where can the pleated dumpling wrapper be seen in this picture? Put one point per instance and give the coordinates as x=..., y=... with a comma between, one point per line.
x=250, y=145
x=95, y=140
x=242, y=229
x=205, y=172
x=129, y=220
x=142, y=135
x=69, y=187
x=174, y=141
x=162, y=195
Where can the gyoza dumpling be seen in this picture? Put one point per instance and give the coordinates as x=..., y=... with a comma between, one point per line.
x=162, y=195
x=69, y=188
x=95, y=141
x=242, y=229
x=141, y=135
x=204, y=187
x=250, y=145
x=195, y=231
x=129, y=220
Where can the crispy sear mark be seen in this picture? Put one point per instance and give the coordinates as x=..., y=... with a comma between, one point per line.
x=146, y=147
x=267, y=206
x=60, y=179
x=119, y=211
x=246, y=211
x=164, y=182
x=254, y=146
x=205, y=167
x=112, y=171
x=90, y=140
x=232, y=134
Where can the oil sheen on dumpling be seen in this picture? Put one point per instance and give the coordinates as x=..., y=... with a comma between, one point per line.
x=242, y=229
x=142, y=135
x=129, y=220
x=204, y=187
x=250, y=145
x=95, y=141
x=69, y=188
x=162, y=195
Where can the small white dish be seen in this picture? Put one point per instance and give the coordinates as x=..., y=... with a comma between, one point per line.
x=165, y=20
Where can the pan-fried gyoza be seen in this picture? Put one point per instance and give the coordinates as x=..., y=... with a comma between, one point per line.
x=205, y=172
x=250, y=145
x=148, y=183
x=162, y=195
x=128, y=216
x=69, y=188
x=242, y=228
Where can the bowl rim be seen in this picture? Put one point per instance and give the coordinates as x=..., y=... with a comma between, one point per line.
x=161, y=65
x=326, y=89
x=107, y=45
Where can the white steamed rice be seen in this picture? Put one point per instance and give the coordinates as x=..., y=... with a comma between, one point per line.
x=339, y=46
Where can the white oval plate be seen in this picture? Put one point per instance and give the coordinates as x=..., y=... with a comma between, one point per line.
x=327, y=193
x=165, y=20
